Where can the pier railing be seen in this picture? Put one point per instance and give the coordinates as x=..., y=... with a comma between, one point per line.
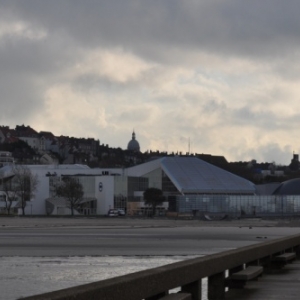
x=156, y=283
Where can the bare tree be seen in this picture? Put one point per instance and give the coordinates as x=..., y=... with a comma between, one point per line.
x=11, y=194
x=71, y=189
x=25, y=184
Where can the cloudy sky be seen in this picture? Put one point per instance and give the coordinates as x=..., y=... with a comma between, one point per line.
x=222, y=74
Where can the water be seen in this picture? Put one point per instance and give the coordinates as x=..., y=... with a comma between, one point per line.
x=26, y=276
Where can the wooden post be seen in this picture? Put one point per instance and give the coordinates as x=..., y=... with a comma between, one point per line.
x=297, y=251
x=193, y=288
x=216, y=286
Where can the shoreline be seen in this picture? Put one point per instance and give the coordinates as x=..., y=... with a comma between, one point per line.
x=125, y=222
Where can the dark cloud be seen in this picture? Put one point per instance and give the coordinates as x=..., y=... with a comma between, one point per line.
x=251, y=28
x=20, y=99
x=171, y=36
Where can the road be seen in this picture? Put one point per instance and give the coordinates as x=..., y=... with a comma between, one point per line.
x=67, y=237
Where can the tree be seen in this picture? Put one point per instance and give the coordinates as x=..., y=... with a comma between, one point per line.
x=24, y=184
x=153, y=197
x=10, y=194
x=71, y=189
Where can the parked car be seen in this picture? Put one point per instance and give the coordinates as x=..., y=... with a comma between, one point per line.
x=121, y=212
x=113, y=213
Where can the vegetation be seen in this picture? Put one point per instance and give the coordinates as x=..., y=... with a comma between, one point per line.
x=153, y=197
x=11, y=194
x=23, y=184
x=71, y=189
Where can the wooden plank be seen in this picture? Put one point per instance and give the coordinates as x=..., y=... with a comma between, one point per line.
x=284, y=257
x=249, y=273
x=282, y=285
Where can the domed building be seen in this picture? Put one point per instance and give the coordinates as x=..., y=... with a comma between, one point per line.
x=289, y=187
x=133, y=144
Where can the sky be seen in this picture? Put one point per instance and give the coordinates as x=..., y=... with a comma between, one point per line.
x=201, y=76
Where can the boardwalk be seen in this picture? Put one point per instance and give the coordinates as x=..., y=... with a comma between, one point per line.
x=285, y=284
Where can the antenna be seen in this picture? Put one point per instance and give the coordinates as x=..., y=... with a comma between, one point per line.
x=189, y=146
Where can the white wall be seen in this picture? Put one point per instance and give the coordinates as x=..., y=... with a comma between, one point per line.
x=104, y=192
x=33, y=142
x=105, y=198
x=37, y=205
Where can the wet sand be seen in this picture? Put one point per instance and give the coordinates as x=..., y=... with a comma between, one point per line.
x=132, y=237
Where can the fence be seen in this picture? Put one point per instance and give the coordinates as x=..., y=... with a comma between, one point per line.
x=238, y=205
x=155, y=283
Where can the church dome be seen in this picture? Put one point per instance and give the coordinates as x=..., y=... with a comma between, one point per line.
x=133, y=145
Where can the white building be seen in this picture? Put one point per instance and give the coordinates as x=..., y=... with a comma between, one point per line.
x=98, y=186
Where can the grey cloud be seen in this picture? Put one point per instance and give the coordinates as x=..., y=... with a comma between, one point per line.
x=266, y=153
x=264, y=119
x=250, y=28
x=133, y=116
x=20, y=99
x=28, y=67
x=164, y=32
x=214, y=106
x=86, y=82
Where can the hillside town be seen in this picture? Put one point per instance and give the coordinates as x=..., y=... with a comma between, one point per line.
x=28, y=146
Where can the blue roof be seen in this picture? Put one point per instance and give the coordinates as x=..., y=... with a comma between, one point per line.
x=193, y=175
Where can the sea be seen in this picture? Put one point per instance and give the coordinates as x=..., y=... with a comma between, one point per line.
x=26, y=276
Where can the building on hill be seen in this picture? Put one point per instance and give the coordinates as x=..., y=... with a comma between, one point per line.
x=217, y=160
x=7, y=135
x=77, y=150
x=48, y=141
x=6, y=158
x=295, y=164
x=68, y=149
x=133, y=144
x=133, y=156
x=29, y=136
